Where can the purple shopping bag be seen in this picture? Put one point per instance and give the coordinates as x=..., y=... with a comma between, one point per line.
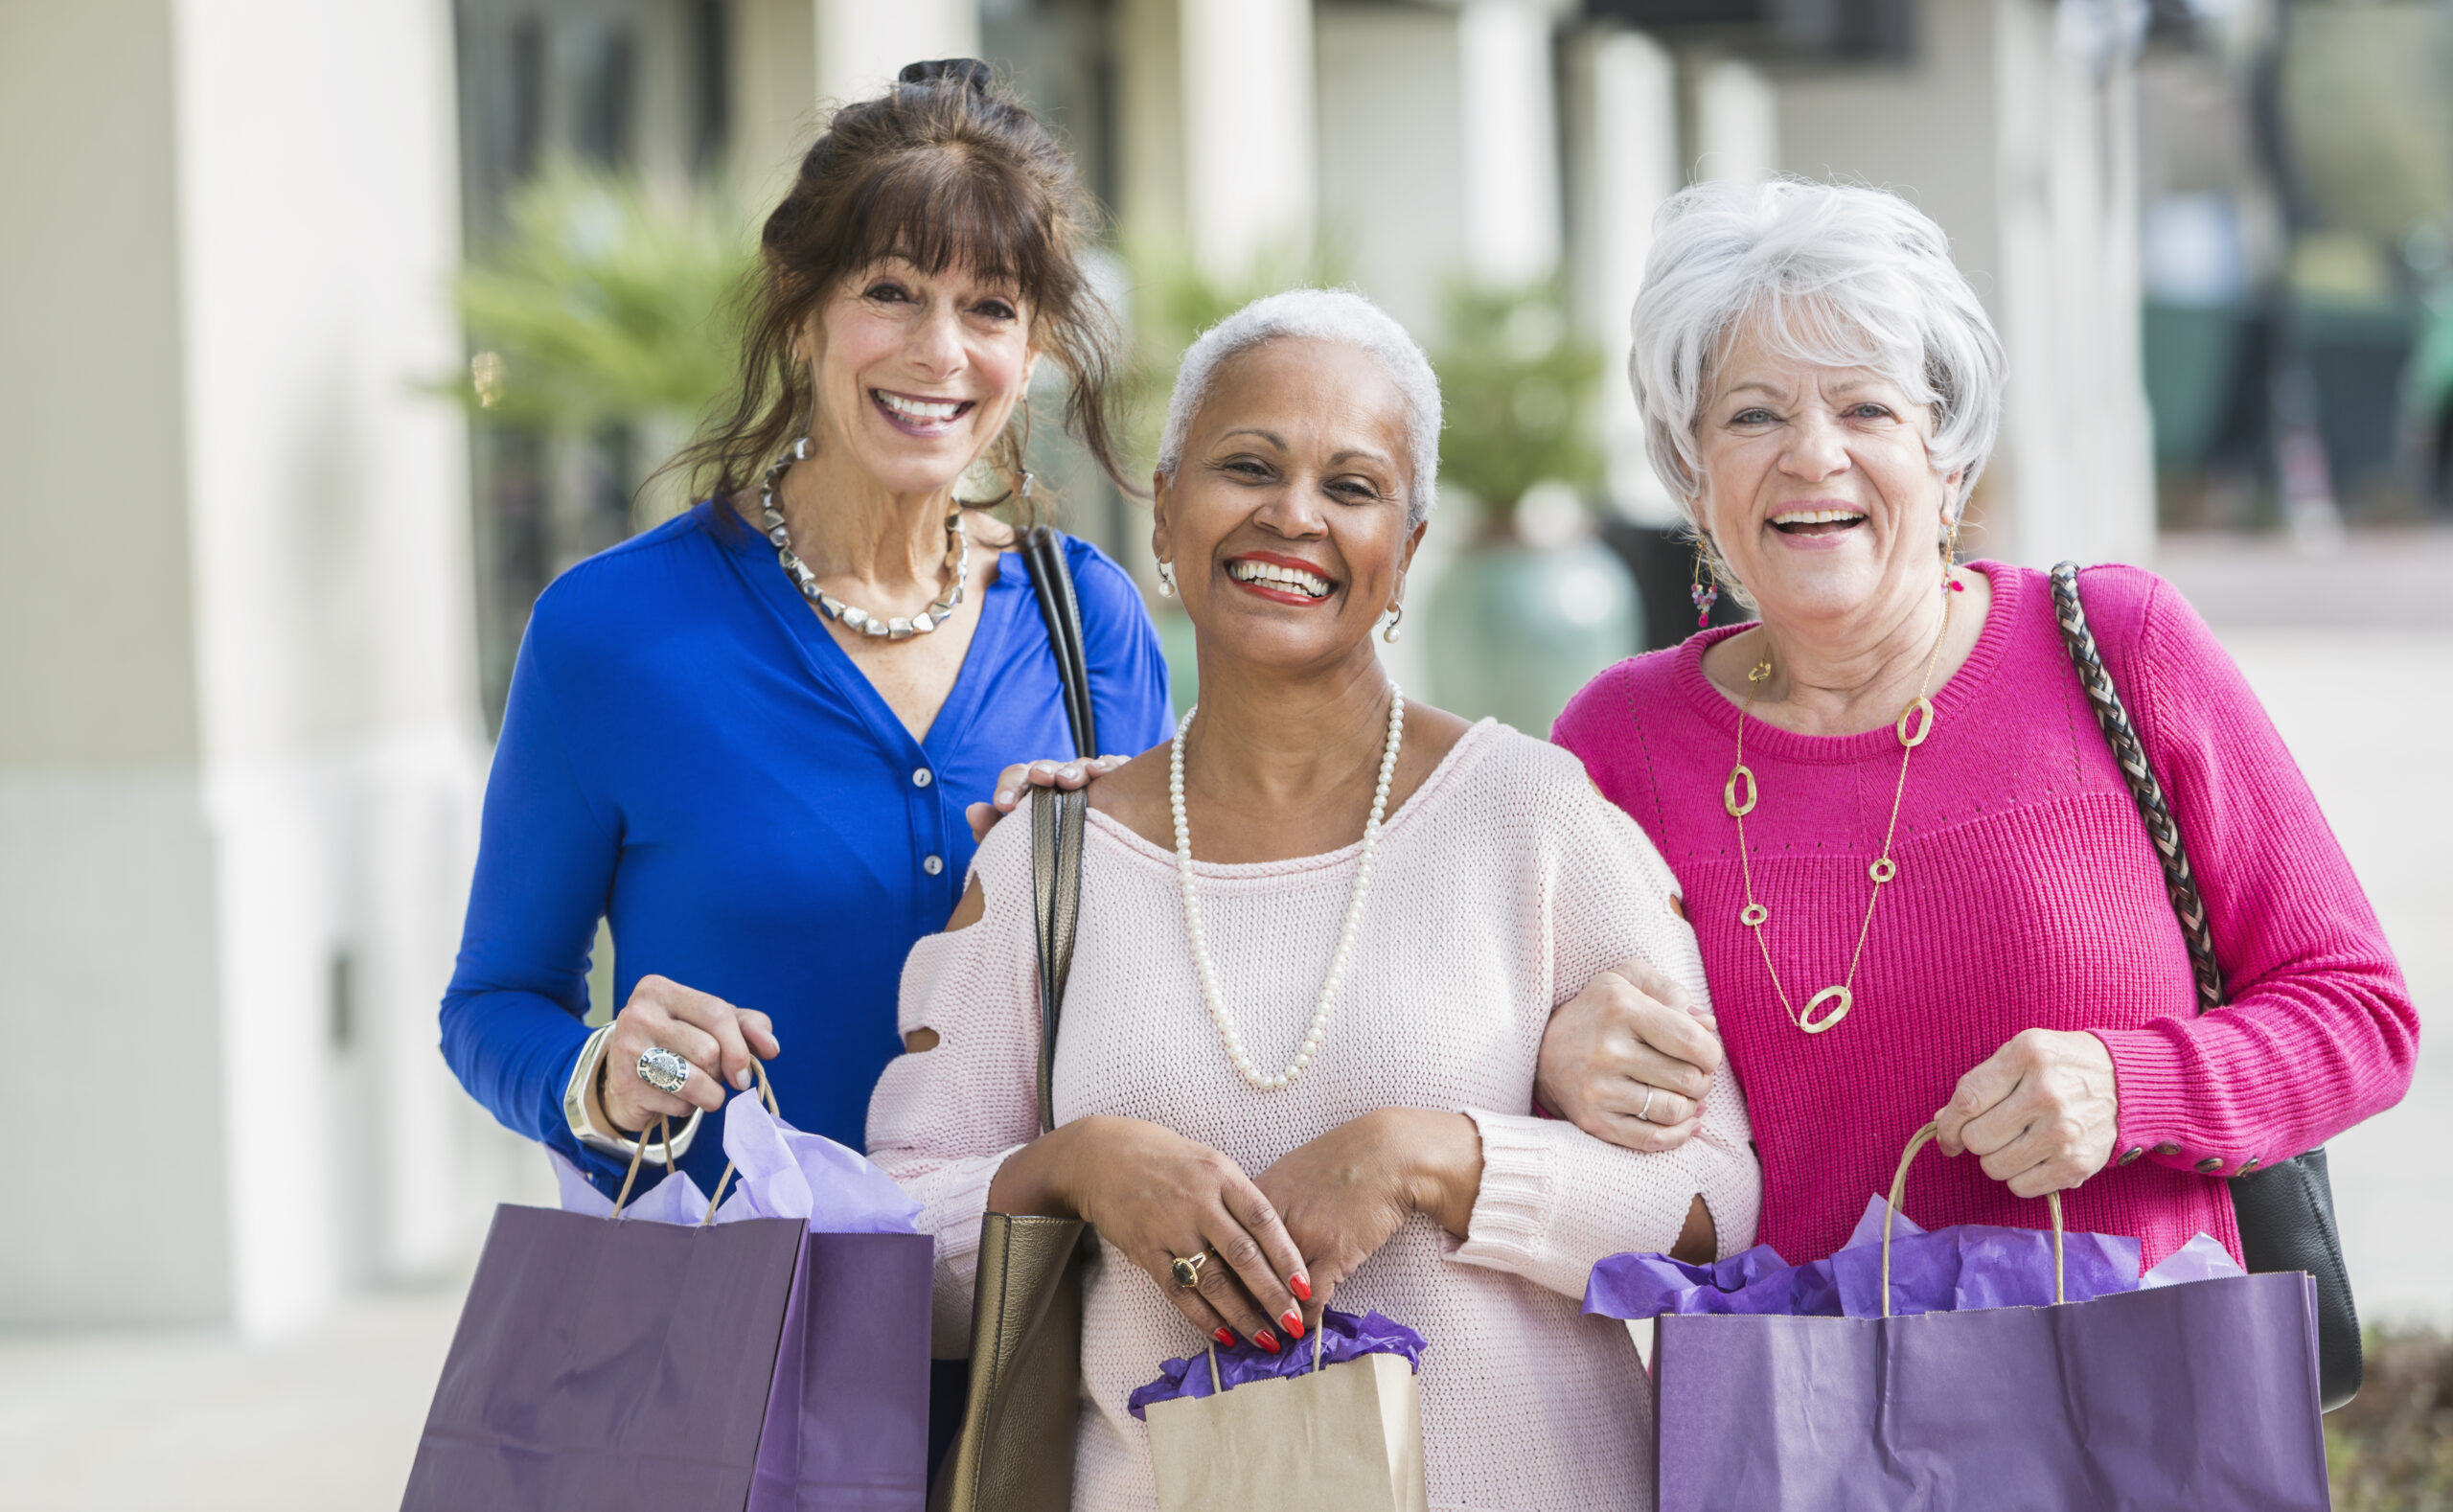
x=602, y=1363
x=2197, y=1395
x=746, y=1365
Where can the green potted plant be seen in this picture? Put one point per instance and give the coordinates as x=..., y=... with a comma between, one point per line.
x=1531, y=607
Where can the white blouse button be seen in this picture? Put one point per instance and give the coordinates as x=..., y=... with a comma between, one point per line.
x=933, y=864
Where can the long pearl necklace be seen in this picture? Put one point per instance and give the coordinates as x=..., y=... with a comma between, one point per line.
x=1230, y=1036
x=894, y=628
x=1915, y=722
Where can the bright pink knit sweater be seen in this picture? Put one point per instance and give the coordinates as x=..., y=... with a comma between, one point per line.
x=2028, y=895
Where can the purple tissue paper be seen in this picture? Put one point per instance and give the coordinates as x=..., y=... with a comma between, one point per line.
x=1345, y=1336
x=1959, y=1268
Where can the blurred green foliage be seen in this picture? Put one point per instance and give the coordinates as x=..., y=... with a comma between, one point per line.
x=1518, y=387
x=606, y=302
x=1174, y=301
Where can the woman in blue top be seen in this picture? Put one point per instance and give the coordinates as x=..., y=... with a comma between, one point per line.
x=747, y=737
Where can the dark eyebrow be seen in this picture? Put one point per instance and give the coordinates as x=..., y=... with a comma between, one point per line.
x=1270, y=436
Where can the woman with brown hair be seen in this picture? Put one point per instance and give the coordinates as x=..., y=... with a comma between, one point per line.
x=746, y=738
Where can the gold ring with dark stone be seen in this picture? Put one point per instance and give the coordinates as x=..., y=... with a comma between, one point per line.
x=1187, y=1270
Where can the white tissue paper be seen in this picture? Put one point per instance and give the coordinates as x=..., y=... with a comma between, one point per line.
x=2201, y=1259
x=783, y=1173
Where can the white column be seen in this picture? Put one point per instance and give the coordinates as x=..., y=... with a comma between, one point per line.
x=2076, y=451
x=332, y=624
x=106, y=919
x=1252, y=148
x=1625, y=140
x=864, y=44
x=1510, y=132
x=238, y=786
x=1737, y=122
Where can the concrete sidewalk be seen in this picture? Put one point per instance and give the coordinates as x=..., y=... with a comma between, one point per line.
x=197, y=1422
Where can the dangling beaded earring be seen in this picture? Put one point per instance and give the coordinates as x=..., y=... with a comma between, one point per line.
x=1166, y=582
x=1950, y=559
x=1396, y=613
x=1704, y=594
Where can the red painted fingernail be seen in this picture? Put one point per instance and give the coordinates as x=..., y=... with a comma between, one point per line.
x=1294, y=1321
x=1225, y=1337
x=1266, y=1339
x=1299, y=1286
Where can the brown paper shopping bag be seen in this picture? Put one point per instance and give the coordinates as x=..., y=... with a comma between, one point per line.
x=1344, y=1438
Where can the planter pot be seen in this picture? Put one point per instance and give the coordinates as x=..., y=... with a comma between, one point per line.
x=1516, y=629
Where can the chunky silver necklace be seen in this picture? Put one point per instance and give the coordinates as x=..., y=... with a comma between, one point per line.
x=896, y=628
x=1229, y=1033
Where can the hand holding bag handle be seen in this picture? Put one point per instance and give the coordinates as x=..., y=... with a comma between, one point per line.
x=2286, y=1209
x=1899, y=1190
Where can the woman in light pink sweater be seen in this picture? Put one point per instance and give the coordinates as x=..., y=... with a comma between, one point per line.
x=1315, y=960
x=1820, y=388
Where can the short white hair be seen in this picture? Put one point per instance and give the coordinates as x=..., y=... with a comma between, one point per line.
x=1832, y=274
x=1322, y=314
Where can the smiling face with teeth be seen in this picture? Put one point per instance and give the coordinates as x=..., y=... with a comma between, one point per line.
x=1819, y=488
x=1285, y=522
x=915, y=373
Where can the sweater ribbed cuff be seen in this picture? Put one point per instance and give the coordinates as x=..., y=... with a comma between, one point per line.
x=2155, y=1099
x=953, y=1214
x=1513, y=1212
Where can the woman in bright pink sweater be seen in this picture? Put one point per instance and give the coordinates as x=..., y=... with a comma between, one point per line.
x=1820, y=388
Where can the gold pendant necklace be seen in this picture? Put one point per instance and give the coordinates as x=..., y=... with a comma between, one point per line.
x=1755, y=916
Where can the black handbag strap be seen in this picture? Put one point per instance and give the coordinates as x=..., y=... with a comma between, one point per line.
x=2129, y=753
x=1056, y=886
x=1043, y=553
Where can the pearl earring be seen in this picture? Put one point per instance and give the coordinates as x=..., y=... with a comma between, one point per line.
x=1166, y=582
x=1396, y=613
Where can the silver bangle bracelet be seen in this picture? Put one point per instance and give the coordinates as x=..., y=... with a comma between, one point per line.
x=585, y=1128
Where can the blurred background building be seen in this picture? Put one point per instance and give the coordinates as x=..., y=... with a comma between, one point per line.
x=339, y=328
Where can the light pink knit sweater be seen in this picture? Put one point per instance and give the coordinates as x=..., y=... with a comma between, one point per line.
x=1502, y=886
x=2028, y=895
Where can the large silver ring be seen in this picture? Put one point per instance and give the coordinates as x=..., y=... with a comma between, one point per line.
x=663, y=1071
x=1642, y=1115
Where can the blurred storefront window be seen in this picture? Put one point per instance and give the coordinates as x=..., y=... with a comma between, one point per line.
x=2296, y=183
x=634, y=88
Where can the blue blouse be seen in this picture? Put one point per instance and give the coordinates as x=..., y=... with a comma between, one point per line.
x=688, y=754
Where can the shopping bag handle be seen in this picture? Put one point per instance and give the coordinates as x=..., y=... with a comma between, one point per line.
x=664, y=1137
x=1899, y=1186
x=1319, y=1340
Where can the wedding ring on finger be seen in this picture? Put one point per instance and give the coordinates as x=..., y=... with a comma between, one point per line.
x=1187, y=1270
x=1643, y=1115
x=663, y=1071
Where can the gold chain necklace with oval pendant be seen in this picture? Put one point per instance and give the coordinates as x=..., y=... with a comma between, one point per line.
x=1755, y=916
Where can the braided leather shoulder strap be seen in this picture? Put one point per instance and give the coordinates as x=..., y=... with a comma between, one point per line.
x=2129, y=753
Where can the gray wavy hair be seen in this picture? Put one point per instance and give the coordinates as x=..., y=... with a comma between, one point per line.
x=1831, y=274
x=1323, y=314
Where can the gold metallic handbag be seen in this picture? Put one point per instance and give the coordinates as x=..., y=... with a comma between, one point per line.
x=1015, y=1453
